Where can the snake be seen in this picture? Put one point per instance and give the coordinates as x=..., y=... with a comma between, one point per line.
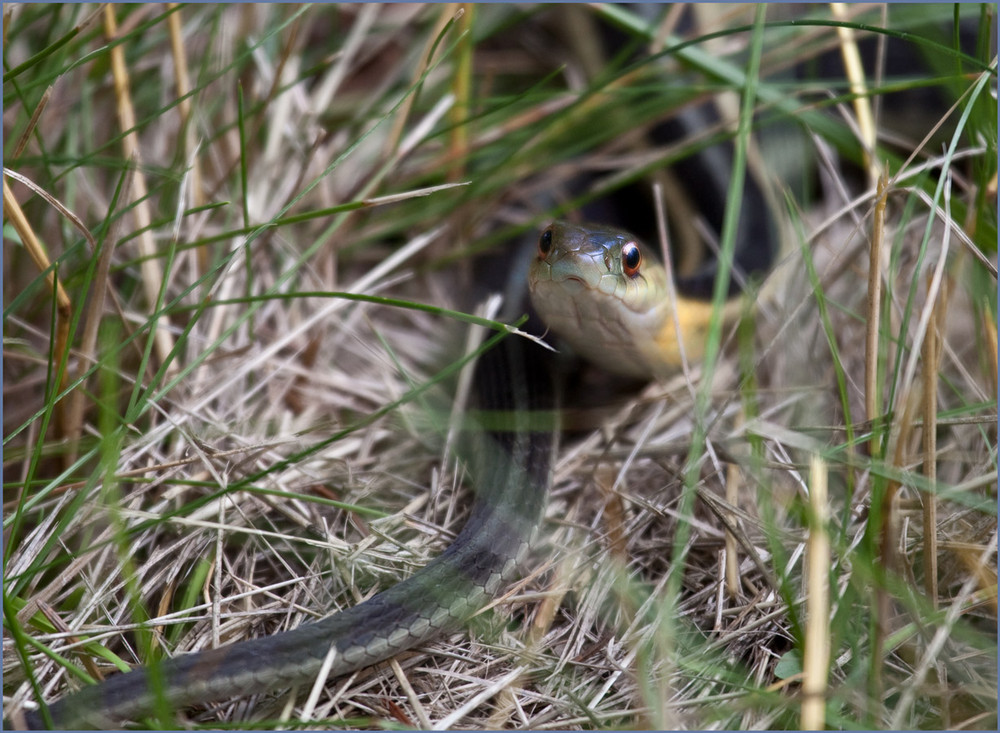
x=600, y=290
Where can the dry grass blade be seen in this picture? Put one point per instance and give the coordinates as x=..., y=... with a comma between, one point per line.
x=931, y=364
x=151, y=267
x=188, y=125
x=816, y=656
x=854, y=70
x=873, y=393
x=26, y=135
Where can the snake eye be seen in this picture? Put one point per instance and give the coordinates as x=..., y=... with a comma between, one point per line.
x=545, y=243
x=631, y=259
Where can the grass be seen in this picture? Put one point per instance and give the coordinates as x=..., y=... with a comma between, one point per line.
x=238, y=293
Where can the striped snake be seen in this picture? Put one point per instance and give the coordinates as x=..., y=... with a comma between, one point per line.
x=600, y=291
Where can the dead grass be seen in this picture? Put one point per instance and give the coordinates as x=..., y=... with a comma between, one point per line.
x=219, y=454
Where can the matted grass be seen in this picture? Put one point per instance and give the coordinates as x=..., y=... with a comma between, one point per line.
x=214, y=430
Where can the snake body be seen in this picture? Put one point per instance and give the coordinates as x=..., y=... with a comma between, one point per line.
x=600, y=290
x=513, y=468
